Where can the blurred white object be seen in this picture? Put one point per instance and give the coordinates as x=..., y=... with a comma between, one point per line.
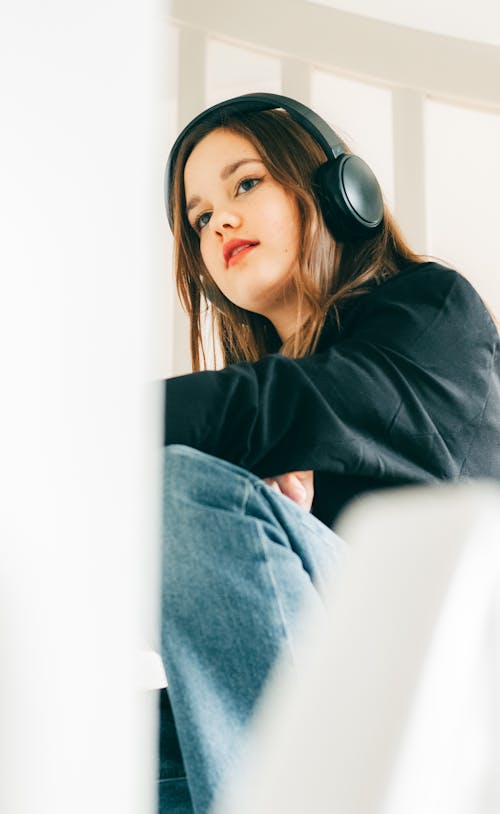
x=397, y=708
x=150, y=671
x=82, y=153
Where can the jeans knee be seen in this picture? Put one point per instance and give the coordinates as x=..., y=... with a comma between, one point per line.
x=192, y=477
x=190, y=497
x=178, y=461
x=204, y=510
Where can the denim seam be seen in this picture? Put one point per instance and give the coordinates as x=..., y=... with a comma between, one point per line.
x=248, y=488
x=274, y=584
x=172, y=779
x=303, y=520
x=265, y=549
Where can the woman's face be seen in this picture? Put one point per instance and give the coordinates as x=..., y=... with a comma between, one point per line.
x=248, y=226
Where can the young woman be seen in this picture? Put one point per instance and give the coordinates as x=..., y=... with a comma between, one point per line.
x=350, y=364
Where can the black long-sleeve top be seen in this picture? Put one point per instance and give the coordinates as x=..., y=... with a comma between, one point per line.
x=407, y=390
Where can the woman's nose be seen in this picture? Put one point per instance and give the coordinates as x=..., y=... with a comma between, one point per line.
x=225, y=219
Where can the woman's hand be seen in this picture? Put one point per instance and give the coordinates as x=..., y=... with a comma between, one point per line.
x=299, y=486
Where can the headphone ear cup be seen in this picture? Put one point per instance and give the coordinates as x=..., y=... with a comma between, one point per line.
x=350, y=197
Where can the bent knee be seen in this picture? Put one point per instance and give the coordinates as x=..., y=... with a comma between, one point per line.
x=193, y=477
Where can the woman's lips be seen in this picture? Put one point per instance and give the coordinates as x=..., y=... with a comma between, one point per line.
x=234, y=250
x=239, y=254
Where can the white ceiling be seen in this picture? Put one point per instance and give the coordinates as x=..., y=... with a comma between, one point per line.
x=479, y=21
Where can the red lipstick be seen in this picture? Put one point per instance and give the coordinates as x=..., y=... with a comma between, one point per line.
x=233, y=248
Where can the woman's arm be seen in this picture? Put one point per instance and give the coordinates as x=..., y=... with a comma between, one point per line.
x=399, y=395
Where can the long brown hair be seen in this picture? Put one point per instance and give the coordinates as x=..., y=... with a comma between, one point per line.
x=327, y=272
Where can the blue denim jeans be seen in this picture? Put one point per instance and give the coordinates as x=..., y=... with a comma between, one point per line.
x=241, y=564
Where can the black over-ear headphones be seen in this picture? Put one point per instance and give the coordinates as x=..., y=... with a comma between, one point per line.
x=348, y=192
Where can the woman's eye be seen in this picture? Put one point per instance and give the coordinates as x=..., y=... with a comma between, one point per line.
x=202, y=220
x=247, y=184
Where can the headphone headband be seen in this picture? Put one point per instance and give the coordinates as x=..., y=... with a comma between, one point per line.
x=353, y=204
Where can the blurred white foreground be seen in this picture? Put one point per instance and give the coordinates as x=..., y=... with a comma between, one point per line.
x=397, y=709
x=81, y=209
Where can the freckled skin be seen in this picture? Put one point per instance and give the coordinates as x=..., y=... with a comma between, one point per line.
x=264, y=212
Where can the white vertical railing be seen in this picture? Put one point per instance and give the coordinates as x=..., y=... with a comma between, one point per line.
x=191, y=101
x=409, y=165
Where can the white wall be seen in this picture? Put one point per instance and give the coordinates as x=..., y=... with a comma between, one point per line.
x=436, y=16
